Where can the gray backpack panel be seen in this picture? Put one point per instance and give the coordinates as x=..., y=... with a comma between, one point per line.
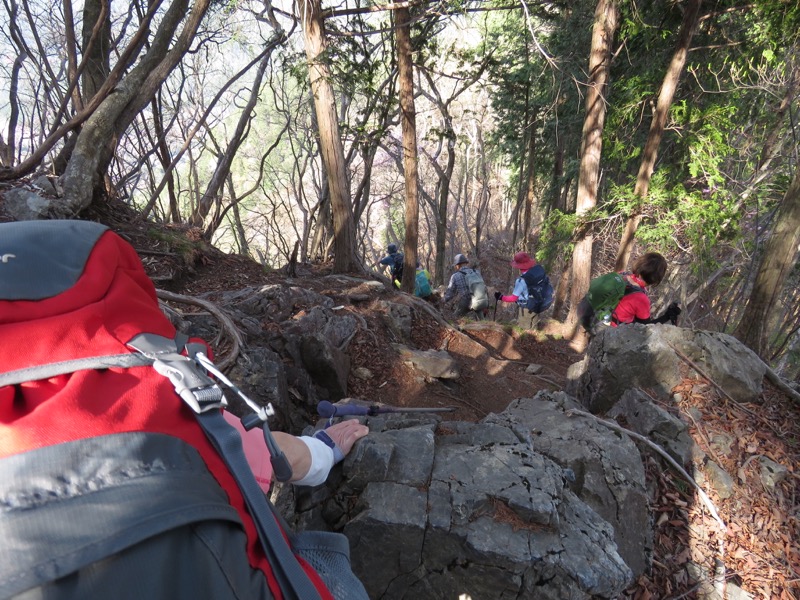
x=130, y=515
x=61, y=248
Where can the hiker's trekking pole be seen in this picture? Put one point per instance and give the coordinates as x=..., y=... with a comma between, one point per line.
x=494, y=314
x=331, y=411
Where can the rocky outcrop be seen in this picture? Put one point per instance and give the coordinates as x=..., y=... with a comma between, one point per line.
x=643, y=356
x=534, y=502
x=438, y=509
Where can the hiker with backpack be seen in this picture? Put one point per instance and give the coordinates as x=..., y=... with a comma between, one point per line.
x=467, y=287
x=618, y=298
x=120, y=475
x=393, y=260
x=532, y=289
x=422, y=282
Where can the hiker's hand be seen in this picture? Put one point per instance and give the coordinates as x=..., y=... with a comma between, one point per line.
x=346, y=433
x=672, y=312
x=497, y=296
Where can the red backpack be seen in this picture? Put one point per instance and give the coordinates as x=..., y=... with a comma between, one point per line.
x=111, y=483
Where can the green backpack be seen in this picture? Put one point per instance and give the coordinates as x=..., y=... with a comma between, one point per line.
x=422, y=285
x=604, y=294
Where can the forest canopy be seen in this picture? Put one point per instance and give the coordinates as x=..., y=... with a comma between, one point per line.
x=583, y=132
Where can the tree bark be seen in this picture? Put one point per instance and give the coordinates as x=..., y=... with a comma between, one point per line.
x=606, y=18
x=408, y=121
x=530, y=185
x=777, y=262
x=665, y=96
x=330, y=140
x=96, y=47
x=101, y=131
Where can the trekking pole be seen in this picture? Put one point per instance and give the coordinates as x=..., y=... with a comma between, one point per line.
x=494, y=314
x=331, y=411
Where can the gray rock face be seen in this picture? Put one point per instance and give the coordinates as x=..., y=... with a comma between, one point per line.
x=606, y=469
x=478, y=509
x=643, y=356
x=645, y=418
x=24, y=205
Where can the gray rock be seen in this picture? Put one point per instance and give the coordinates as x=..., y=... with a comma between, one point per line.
x=25, y=205
x=719, y=479
x=649, y=420
x=44, y=184
x=643, y=356
x=397, y=318
x=328, y=365
x=436, y=364
x=475, y=511
x=771, y=472
x=606, y=467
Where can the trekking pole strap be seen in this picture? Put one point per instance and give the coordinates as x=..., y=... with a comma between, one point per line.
x=292, y=579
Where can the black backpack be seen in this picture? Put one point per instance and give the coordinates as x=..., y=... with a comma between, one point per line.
x=540, y=290
x=397, y=267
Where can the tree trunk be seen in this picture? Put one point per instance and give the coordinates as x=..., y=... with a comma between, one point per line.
x=530, y=185
x=777, y=262
x=95, y=46
x=665, y=96
x=101, y=131
x=330, y=140
x=408, y=120
x=606, y=17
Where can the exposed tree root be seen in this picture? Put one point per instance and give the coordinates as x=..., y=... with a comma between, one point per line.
x=226, y=322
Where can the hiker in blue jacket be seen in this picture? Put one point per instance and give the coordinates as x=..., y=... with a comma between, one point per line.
x=394, y=260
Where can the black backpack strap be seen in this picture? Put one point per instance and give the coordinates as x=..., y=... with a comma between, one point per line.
x=206, y=398
x=293, y=581
x=633, y=289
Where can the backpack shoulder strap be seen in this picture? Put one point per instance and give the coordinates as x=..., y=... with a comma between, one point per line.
x=535, y=276
x=632, y=288
x=293, y=580
x=205, y=398
x=37, y=372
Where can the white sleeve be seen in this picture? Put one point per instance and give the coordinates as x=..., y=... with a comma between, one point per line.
x=321, y=462
x=521, y=290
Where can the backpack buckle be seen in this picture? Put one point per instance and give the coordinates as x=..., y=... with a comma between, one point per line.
x=196, y=388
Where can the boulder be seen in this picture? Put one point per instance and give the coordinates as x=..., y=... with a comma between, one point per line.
x=25, y=205
x=605, y=469
x=439, y=509
x=645, y=357
x=436, y=364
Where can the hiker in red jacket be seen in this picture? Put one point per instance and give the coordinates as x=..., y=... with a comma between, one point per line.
x=648, y=270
